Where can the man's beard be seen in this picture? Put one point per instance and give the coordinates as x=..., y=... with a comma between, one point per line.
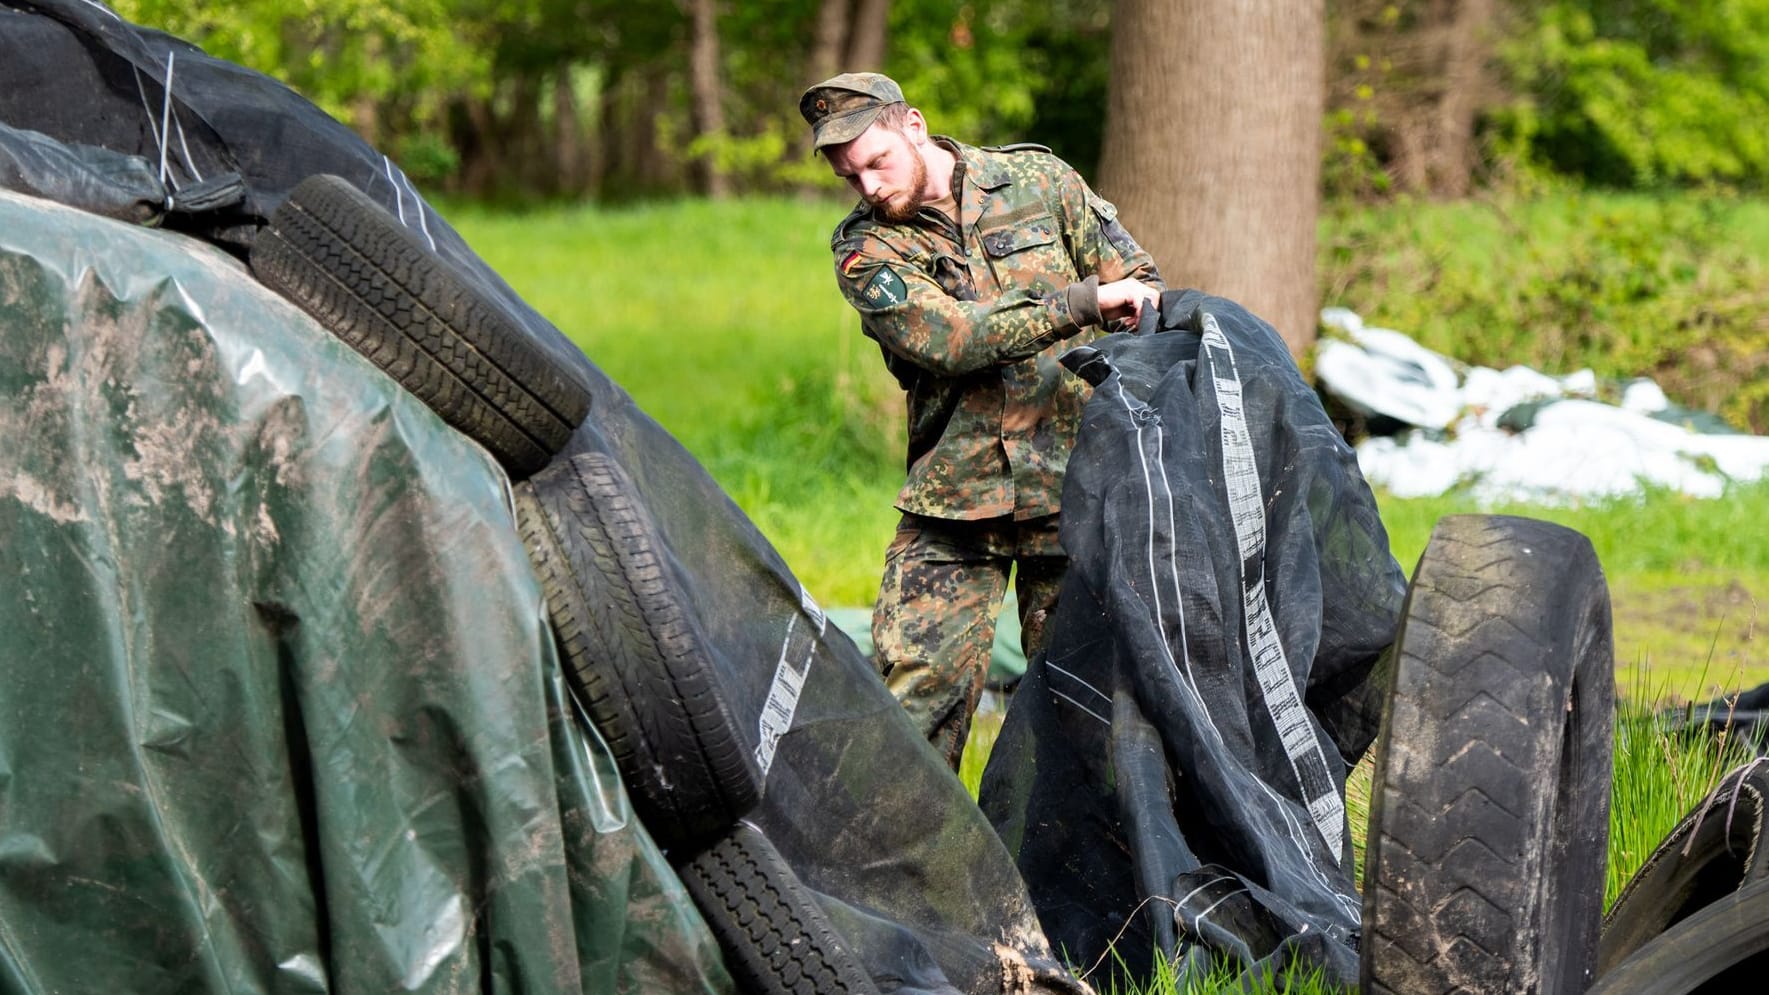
x=897, y=212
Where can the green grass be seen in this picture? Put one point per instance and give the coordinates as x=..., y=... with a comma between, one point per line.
x=1658, y=779
x=724, y=323
x=1684, y=589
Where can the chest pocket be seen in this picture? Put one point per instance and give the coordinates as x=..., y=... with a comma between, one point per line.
x=1029, y=254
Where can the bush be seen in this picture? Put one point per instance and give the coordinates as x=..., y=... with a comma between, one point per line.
x=1644, y=93
x=1625, y=285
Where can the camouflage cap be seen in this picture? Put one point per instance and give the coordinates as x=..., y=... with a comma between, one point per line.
x=841, y=107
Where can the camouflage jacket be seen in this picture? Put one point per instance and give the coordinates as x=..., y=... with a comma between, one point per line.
x=971, y=320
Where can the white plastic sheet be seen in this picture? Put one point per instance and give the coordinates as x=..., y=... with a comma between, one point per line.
x=1576, y=447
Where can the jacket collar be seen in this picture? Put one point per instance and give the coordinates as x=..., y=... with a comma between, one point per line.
x=975, y=165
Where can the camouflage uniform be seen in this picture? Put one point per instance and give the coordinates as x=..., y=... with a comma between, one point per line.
x=971, y=318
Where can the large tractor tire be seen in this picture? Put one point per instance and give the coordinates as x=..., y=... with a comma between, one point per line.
x=1490, y=798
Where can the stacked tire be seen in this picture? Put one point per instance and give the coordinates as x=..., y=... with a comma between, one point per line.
x=1490, y=799
x=630, y=643
x=1695, y=917
x=376, y=284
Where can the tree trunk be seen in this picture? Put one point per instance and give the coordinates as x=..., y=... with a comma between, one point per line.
x=826, y=41
x=605, y=165
x=481, y=158
x=1421, y=82
x=866, y=36
x=1466, y=50
x=706, y=106
x=653, y=167
x=526, y=159
x=568, y=142
x=634, y=164
x=1213, y=147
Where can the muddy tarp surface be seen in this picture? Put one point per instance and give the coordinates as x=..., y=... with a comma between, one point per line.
x=1171, y=774
x=866, y=814
x=282, y=711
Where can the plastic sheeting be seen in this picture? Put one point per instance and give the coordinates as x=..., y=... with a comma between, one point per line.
x=1171, y=774
x=83, y=176
x=1517, y=434
x=282, y=711
x=863, y=810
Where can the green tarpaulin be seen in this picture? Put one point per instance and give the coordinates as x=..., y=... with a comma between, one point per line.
x=280, y=711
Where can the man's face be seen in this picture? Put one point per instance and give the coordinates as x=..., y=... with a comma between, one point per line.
x=886, y=169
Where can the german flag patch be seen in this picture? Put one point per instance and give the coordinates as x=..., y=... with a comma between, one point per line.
x=847, y=265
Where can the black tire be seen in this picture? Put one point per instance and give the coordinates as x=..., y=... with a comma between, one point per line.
x=634, y=650
x=373, y=282
x=1711, y=853
x=1721, y=948
x=776, y=939
x=1490, y=798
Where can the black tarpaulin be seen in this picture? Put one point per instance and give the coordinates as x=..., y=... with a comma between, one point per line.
x=1171, y=773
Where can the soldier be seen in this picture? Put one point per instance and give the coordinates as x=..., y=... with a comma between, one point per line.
x=974, y=269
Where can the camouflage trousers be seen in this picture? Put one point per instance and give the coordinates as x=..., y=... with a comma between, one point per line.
x=934, y=623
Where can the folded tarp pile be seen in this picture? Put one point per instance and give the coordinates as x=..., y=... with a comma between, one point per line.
x=1171, y=774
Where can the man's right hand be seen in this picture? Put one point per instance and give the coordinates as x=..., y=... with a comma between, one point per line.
x=1126, y=298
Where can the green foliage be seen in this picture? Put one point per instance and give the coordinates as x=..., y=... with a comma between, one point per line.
x=982, y=71
x=427, y=157
x=1644, y=93
x=1350, y=166
x=1626, y=93
x=407, y=53
x=1672, y=287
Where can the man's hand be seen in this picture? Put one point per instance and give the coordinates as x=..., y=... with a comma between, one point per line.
x=1126, y=298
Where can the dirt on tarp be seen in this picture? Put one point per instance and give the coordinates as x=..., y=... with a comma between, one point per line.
x=283, y=712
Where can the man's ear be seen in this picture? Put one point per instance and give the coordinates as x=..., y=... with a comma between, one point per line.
x=915, y=126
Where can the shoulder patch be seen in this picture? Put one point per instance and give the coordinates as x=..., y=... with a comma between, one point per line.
x=883, y=290
x=1016, y=147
